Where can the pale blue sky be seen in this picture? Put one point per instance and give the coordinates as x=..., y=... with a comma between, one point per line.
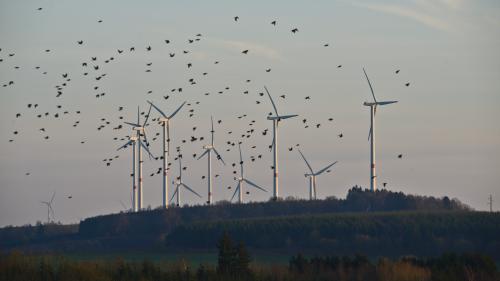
x=445, y=124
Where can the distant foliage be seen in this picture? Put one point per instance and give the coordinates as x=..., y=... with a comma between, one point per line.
x=388, y=234
x=450, y=267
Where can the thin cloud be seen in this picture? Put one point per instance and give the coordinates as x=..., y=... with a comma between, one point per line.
x=411, y=13
x=254, y=49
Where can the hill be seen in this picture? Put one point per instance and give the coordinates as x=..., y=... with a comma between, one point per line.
x=374, y=223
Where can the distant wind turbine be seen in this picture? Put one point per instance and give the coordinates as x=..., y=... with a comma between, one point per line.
x=312, y=176
x=208, y=151
x=132, y=141
x=141, y=132
x=276, y=119
x=371, y=135
x=50, y=211
x=179, y=184
x=165, y=122
x=241, y=180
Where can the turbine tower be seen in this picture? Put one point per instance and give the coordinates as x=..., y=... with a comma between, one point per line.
x=165, y=122
x=208, y=151
x=140, y=133
x=241, y=180
x=132, y=141
x=179, y=184
x=276, y=119
x=50, y=211
x=371, y=135
x=312, y=177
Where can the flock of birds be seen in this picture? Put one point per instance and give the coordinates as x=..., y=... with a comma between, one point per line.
x=95, y=67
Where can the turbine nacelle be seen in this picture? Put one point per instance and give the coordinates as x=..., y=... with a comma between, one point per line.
x=208, y=146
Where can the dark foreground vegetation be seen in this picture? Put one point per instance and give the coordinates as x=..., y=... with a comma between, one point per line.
x=234, y=263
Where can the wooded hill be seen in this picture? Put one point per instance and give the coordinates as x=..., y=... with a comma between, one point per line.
x=373, y=223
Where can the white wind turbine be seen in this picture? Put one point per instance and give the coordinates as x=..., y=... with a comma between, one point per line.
x=50, y=211
x=241, y=180
x=276, y=119
x=165, y=122
x=140, y=133
x=371, y=135
x=208, y=151
x=179, y=184
x=132, y=141
x=312, y=176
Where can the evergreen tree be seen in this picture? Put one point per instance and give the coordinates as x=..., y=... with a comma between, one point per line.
x=227, y=255
x=243, y=258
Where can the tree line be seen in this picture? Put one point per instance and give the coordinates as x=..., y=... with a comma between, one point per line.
x=235, y=263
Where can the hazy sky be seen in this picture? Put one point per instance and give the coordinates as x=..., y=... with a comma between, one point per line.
x=446, y=123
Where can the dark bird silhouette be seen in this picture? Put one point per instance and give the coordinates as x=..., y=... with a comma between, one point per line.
x=397, y=71
x=268, y=70
x=245, y=52
x=384, y=184
x=167, y=41
x=341, y=135
x=326, y=45
x=148, y=48
x=339, y=66
x=400, y=156
x=295, y=30
x=407, y=84
x=236, y=18
x=80, y=42
x=273, y=22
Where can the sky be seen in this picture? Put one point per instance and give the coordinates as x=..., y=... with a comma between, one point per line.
x=445, y=122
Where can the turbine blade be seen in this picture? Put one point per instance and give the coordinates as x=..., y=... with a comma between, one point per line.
x=188, y=188
x=125, y=145
x=325, y=168
x=370, y=84
x=386, y=102
x=132, y=124
x=370, y=133
x=138, y=116
x=177, y=110
x=218, y=156
x=305, y=160
x=147, y=116
x=157, y=109
x=175, y=192
x=53, y=196
x=254, y=185
x=206, y=151
x=212, y=131
x=283, y=117
x=147, y=150
x=235, y=191
x=274, y=106
x=241, y=159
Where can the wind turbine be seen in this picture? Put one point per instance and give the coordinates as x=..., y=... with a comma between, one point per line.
x=241, y=180
x=179, y=184
x=276, y=119
x=132, y=141
x=50, y=211
x=208, y=151
x=312, y=176
x=165, y=122
x=140, y=133
x=371, y=135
